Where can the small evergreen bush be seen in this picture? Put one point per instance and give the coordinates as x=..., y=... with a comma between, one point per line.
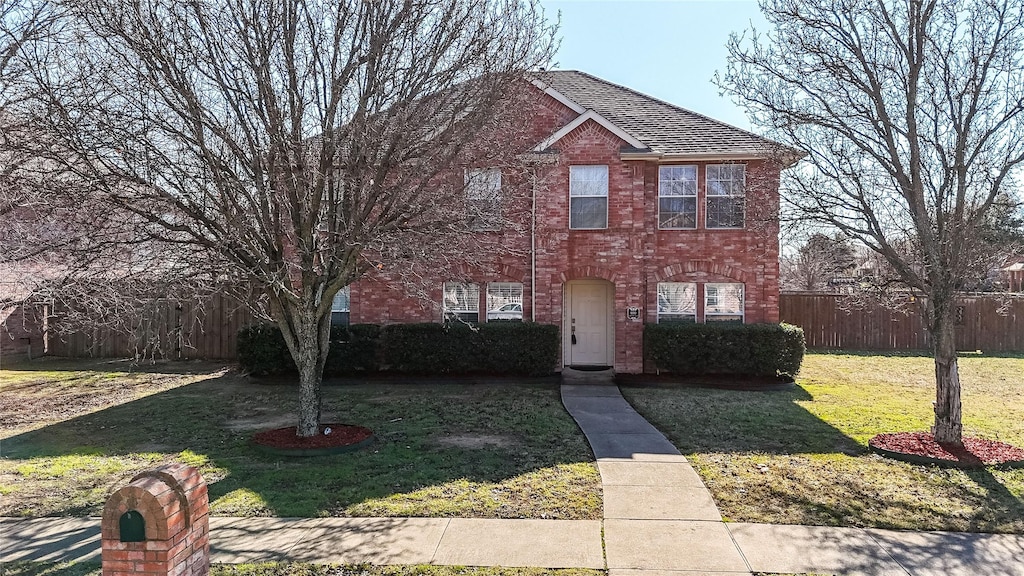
x=747, y=349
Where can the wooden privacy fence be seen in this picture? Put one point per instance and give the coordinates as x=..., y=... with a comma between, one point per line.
x=167, y=329
x=182, y=330
x=986, y=322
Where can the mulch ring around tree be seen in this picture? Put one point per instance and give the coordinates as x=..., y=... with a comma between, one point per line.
x=921, y=448
x=330, y=439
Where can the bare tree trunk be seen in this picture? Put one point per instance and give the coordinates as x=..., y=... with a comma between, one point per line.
x=313, y=355
x=948, y=428
x=891, y=164
x=308, y=338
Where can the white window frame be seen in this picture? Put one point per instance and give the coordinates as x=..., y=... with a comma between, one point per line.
x=578, y=170
x=483, y=187
x=472, y=301
x=663, y=193
x=708, y=195
x=501, y=294
x=341, y=304
x=677, y=285
x=723, y=316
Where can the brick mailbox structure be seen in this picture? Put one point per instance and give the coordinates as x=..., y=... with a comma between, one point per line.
x=158, y=524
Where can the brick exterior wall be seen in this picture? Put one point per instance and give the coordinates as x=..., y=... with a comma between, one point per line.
x=632, y=254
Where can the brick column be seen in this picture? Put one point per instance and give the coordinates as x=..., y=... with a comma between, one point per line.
x=171, y=537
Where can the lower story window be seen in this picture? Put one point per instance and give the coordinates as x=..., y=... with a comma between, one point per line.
x=340, y=307
x=723, y=303
x=505, y=301
x=461, y=302
x=677, y=302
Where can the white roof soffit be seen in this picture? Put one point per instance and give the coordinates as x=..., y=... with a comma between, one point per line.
x=589, y=115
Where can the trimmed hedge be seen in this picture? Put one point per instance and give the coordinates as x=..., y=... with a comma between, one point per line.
x=354, y=350
x=748, y=349
x=262, y=351
x=521, y=348
x=517, y=348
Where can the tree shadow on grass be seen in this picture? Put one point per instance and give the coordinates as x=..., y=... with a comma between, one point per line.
x=209, y=423
x=872, y=492
x=768, y=459
x=712, y=420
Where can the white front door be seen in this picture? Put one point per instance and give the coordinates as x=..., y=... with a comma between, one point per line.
x=589, y=323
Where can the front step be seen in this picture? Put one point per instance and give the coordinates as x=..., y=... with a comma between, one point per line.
x=577, y=377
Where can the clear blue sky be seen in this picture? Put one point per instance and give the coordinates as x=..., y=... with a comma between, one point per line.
x=668, y=49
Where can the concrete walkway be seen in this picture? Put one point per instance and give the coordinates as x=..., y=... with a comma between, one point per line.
x=659, y=520
x=658, y=515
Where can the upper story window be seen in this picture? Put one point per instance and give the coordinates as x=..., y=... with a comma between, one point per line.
x=483, y=199
x=588, y=197
x=726, y=190
x=461, y=301
x=677, y=197
x=340, y=307
x=723, y=302
x=677, y=302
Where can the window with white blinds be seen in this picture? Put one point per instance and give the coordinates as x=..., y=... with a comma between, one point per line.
x=677, y=302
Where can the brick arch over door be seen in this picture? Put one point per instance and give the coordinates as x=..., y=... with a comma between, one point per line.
x=584, y=272
x=708, y=266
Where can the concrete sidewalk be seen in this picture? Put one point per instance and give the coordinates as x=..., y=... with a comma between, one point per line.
x=449, y=541
x=555, y=544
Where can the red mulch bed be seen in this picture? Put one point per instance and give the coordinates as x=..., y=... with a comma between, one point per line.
x=921, y=447
x=340, y=435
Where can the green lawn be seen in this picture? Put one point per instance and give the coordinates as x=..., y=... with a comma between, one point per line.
x=274, y=569
x=801, y=456
x=505, y=450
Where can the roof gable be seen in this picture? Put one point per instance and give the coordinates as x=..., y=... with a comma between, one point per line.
x=649, y=125
x=588, y=115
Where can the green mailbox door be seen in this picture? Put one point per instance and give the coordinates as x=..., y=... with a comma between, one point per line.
x=133, y=527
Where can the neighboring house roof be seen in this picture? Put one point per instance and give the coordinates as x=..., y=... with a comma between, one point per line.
x=665, y=130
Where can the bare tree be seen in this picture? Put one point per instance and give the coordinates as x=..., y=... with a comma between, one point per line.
x=299, y=143
x=820, y=260
x=23, y=23
x=61, y=246
x=911, y=114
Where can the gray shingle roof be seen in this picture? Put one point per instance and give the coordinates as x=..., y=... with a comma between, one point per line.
x=663, y=127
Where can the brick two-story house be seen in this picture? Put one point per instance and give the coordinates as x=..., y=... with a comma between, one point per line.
x=644, y=212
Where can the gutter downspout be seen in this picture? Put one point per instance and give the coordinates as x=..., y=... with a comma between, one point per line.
x=534, y=160
x=533, y=245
